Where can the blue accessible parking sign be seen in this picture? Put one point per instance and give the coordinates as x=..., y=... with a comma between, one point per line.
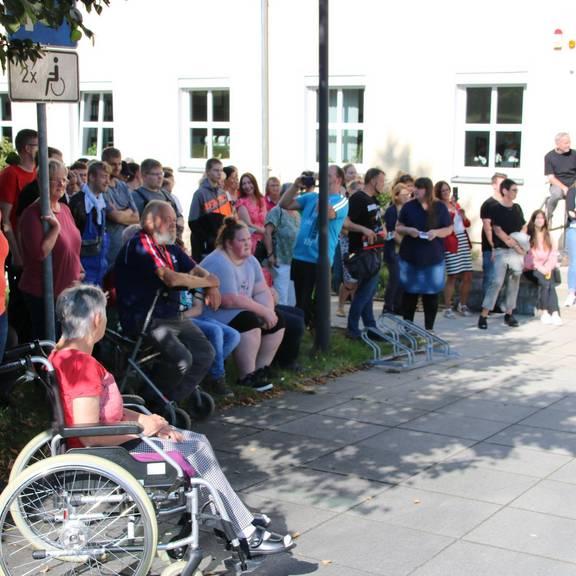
x=44, y=35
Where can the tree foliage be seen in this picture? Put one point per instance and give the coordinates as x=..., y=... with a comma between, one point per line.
x=52, y=13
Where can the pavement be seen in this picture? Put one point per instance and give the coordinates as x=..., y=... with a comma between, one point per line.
x=465, y=467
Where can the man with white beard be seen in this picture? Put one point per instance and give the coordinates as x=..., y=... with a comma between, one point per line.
x=150, y=261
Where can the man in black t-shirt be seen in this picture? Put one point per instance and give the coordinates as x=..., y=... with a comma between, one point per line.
x=560, y=169
x=365, y=233
x=507, y=218
x=488, y=254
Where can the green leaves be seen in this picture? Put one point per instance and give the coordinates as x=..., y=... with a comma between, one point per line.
x=52, y=13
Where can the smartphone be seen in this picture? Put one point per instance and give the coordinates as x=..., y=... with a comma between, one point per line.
x=423, y=235
x=455, y=193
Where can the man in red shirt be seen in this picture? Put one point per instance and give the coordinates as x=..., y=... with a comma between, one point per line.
x=12, y=180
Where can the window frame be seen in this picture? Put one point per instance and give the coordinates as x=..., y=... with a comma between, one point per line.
x=339, y=84
x=7, y=123
x=494, y=82
x=186, y=87
x=99, y=124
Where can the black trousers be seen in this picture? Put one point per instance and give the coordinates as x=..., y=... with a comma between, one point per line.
x=547, y=296
x=186, y=353
x=430, y=302
x=294, y=326
x=304, y=276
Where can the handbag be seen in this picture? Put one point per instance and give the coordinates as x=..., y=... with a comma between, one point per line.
x=363, y=265
x=260, y=252
x=556, y=276
x=451, y=243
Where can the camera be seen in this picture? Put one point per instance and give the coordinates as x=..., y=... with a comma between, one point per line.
x=308, y=179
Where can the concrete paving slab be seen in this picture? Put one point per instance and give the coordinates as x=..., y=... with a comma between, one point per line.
x=418, y=399
x=271, y=448
x=288, y=517
x=325, y=427
x=309, y=403
x=488, y=410
x=511, y=459
x=372, y=546
x=366, y=410
x=417, y=447
x=456, y=425
x=334, y=492
x=371, y=463
x=515, y=395
x=259, y=417
x=565, y=474
x=468, y=559
x=550, y=497
x=428, y=511
x=223, y=435
x=530, y=532
x=553, y=419
x=242, y=473
x=551, y=441
x=473, y=482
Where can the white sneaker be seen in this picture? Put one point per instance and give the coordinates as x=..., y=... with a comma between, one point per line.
x=449, y=313
x=570, y=300
x=546, y=318
x=463, y=310
x=555, y=319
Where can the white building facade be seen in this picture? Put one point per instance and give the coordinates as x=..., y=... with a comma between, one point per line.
x=450, y=90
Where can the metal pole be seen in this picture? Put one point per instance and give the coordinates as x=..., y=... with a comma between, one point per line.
x=50, y=324
x=265, y=78
x=322, y=340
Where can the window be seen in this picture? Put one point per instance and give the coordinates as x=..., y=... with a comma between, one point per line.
x=493, y=126
x=207, y=124
x=345, y=126
x=5, y=117
x=96, y=123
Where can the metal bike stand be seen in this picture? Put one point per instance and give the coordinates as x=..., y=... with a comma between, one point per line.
x=402, y=357
x=433, y=344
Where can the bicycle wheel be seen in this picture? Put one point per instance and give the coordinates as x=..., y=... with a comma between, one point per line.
x=37, y=449
x=78, y=514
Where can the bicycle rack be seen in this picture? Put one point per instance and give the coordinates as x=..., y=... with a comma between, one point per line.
x=408, y=341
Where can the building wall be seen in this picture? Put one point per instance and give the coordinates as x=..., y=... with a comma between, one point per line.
x=409, y=57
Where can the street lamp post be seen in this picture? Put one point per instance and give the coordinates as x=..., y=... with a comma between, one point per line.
x=322, y=336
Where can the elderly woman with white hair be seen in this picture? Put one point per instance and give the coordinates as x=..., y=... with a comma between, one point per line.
x=62, y=240
x=90, y=394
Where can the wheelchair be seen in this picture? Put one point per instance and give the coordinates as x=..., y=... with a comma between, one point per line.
x=134, y=358
x=102, y=510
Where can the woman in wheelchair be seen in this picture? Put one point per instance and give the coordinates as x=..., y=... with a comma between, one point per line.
x=90, y=395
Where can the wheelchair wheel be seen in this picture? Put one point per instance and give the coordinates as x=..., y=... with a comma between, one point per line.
x=201, y=405
x=37, y=449
x=75, y=514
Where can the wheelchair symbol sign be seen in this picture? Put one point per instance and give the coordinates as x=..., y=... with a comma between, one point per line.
x=54, y=78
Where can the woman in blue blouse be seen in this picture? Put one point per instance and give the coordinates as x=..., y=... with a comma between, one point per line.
x=424, y=223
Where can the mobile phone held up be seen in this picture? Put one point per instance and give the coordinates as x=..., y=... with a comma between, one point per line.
x=455, y=194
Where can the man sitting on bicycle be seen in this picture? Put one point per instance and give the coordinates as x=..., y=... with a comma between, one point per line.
x=150, y=261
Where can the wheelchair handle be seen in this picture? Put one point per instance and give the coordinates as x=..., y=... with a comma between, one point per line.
x=37, y=346
x=13, y=366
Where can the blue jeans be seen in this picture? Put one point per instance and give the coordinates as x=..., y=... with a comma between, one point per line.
x=223, y=339
x=571, y=248
x=3, y=334
x=361, y=306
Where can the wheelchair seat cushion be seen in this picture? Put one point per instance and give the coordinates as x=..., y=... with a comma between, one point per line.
x=150, y=457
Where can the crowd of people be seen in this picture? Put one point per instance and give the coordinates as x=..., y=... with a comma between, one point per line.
x=245, y=283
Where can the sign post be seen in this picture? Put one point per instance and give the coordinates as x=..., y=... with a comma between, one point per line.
x=53, y=78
